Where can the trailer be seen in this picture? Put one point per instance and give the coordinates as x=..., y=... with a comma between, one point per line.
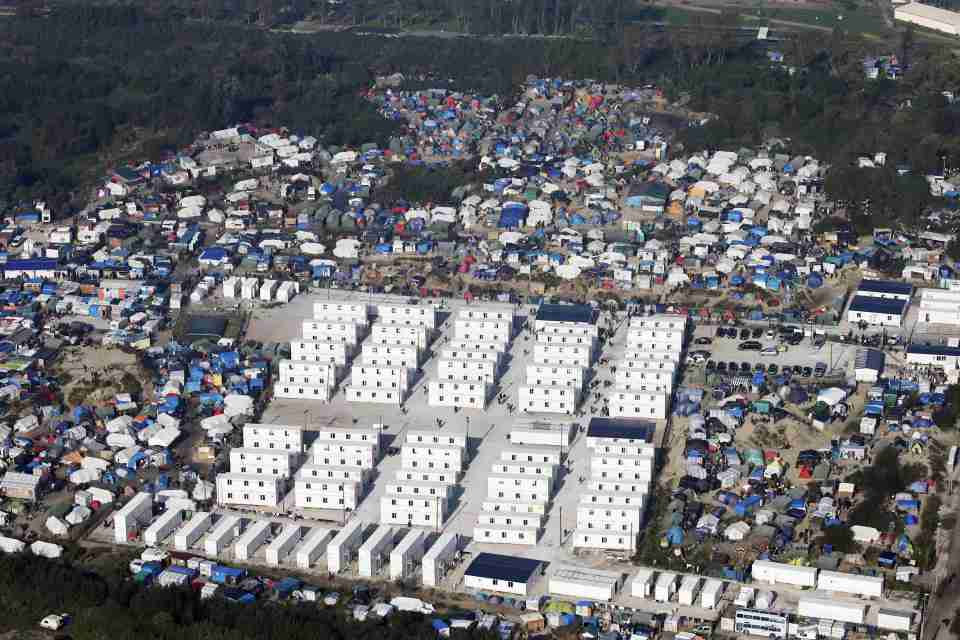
x=267, y=290
x=132, y=516
x=440, y=558
x=770, y=572
x=824, y=609
x=374, y=551
x=190, y=532
x=175, y=577
x=163, y=526
x=895, y=620
x=408, y=553
x=712, y=593
x=642, y=584
x=252, y=539
x=859, y=585
x=580, y=582
x=344, y=546
x=666, y=586
x=689, y=589
x=313, y=546
x=283, y=544
x=553, y=434
x=223, y=533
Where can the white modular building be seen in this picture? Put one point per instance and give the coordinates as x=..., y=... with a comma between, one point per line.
x=560, y=355
x=689, y=590
x=648, y=355
x=273, y=436
x=364, y=435
x=326, y=494
x=283, y=544
x=497, y=505
x=855, y=584
x=600, y=539
x=544, y=376
x=305, y=380
x=439, y=490
x=344, y=546
x=614, y=519
x=445, y=457
x=644, y=362
x=313, y=546
x=231, y=287
x=407, y=555
x=641, y=586
x=652, y=405
x=161, y=528
x=487, y=314
x=195, y=527
x=825, y=609
x=769, y=572
x=422, y=315
x=509, y=483
x=505, y=534
x=538, y=455
x=637, y=379
x=344, y=454
x=472, y=394
x=942, y=357
x=346, y=332
x=641, y=339
x=939, y=306
x=251, y=490
x=380, y=378
x=666, y=586
x=585, y=583
x=618, y=486
x=599, y=499
x=659, y=322
x=546, y=330
x=410, y=476
x=268, y=290
x=440, y=558
x=473, y=346
x=449, y=353
x=341, y=312
x=249, y=287
x=380, y=355
x=374, y=554
x=400, y=335
x=263, y=462
x=881, y=312
x=467, y=370
x=523, y=468
x=337, y=353
x=607, y=466
x=562, y=318
x=712, y=593
x=608, y=435
x=133, y=516
x=894, y=620
x=426, y=436
x=252, y=539
x=537, y=399
x=415, y=510
x=335, y=473
x=539, y=433
x=501, y=573
x=483, y=331
x=501, y=518
x=223, y=533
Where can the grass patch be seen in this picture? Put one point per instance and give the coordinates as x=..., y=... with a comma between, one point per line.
x=857, y=20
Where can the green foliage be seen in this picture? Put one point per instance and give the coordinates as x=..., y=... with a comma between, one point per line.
x=422, y=184
x=123, y=610
x=840, y=537
x=885, y=477
x=925, y=542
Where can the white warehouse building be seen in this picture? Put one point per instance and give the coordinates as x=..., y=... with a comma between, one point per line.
x=939, y=306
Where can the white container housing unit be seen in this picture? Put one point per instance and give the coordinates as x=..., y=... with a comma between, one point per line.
x=425, y=436
x=364, y=435
x=405, y=508
x=432, y=457
x=769, y=572
x=450, y=353
x=712, y=593
x=380, y=355
x=487, y=314
x=492, y=349
x=341, y=312
x=626, y=403
x=252, y=539
x=268, y=290
x=309, y=493
x=387, y=334
x=161, y=528
x=283, y=544
x=825, y=609
x=562, y=355
x=585, y=583
x=536, y=399
x=223, y=533
x=132, y=517
x=407, y=555
x=344, y=546
x=302, y=379
x=384, y=385
x=506, y=534
x=544, y=376
x=318, y=331
x=468, y=395
x=374, y=554
x=264, y=462
x=666, y=586
x=859, y=585
x=440, y=558
x=467, y=370
x=193, y=530
x=541, y=433
x=642, y=584
x=344, y=454
x=569, y=319
x=231, y=287
x=327, y=351
x=273, y=436
x=422, y=315
x=483, y=331
x=939, y=306
x=538, y=455
x=312, y=547
x=689, y=590
x=248, y=489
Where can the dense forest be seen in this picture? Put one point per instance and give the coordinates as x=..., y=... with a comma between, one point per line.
x=113, y=606
x=88, y=85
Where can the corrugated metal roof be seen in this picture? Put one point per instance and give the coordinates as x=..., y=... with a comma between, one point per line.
x=566, y=313
x=624, y=428
x=499, y=567
x=934, y=350
x=886, y=286
x=867, y=304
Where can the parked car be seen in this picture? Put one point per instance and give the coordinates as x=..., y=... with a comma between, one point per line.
x=750, y=345
x=703, y=340
x=55, y=621
x=820, y=369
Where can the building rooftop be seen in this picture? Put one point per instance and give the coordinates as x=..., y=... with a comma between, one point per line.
x=930, y=13
x=869, y=359
x=934, y=350
x=886, y=286
x=566, y=313
x=867, y=304
x=622, y=428
x=500, y=567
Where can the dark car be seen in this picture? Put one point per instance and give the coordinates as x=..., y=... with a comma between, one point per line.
x=703, y=340
x=820, y=370
x=797, y=369
x=697, y=485
x=745, y=367
x=732, y=366
x=757, y=334
x=795, y=339
x=758, y=368
x=750, y=345
x=711, y=365
x=721, y=366
x=797, y=514
x=744, y=334
x=772, y=369
x=807, y=372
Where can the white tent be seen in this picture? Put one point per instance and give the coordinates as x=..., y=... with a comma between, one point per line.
x=568, y=271
x=236, y=404
x=202, y=491
x=56, y=526
x=78, y=514
x=347, y=248
x=46, y=549
x=831, y=396
x=165, y=437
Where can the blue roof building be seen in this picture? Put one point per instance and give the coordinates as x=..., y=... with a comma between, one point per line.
x=495, y=572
